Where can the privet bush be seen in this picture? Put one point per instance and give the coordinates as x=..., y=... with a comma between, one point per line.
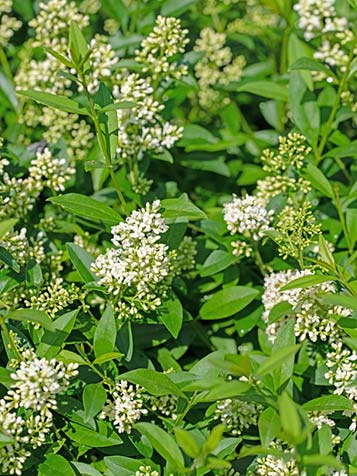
x=178, y=228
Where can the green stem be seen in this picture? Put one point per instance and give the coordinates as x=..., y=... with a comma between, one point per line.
x=341, y=216
x=336, y=104
x=9, y=337
x=102, y=144
x=258, y=258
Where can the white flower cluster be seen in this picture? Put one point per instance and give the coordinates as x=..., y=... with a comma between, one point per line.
x=216, y=67
x=318, y=19
x=51, y=172
x=319, y=419
x=157, y=51
x=146, y=471
x=272, y=466
x=18, y=195
x=141, y=128
x=124, y=407
x=247, y=216
x=51, y=27
x=52, y=22
x=313, y=319
x=26, y=410
x=8, y=24
x=318, y=16
x=237, y=415
x=342, y=374
x=16, y=243
x=137, y=269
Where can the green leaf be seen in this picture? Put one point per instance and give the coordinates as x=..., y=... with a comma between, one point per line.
x=32, y=315
x=62, y=103
x=277, y=358
x=67, y=356
x=7, y=258
x=92, y=438
x=227, y=301
x=77, y=43
x=285, y=338
x=225, y=390
x=266, y=89
x=94, y=398
x=6, y=440
x=171, y=314
x=318, y=180
x=187, y=442
x=60, y=57
x=163, y=443
x=85, y=469
x=181, y=207
x=108, y=120
x=213, y=439
x=217, y=261
x=87, y=207
x=320, y=460
x=82, y=261
x=6, y=226
x=5, y=377
x=55, y=465
x=107, y=357
x=52, y=341
x=329, y=403
x=154, y=382
x=307, y=281
x=9, y=90
x=290, y=419
x=339, y=299
x=310, y=64
x=269, y=426
x=121, y=465
x=105, y=334
x=351, y=222
x=175, y=8
x=280, y=310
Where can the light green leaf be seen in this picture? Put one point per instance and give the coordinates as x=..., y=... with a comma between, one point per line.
x=105, y=333
x=156, y=383
x=187, y=442
x=227, y=302
x=32, y=315
x=163, y=443
x=329, y=403
x=94, y=397
x=181, y=207
x=87, y=207
x=277, y=358
x=62, y=103
x=55, y=465
x=171, y=314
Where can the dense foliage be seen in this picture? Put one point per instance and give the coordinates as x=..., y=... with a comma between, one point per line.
x=178, y=228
